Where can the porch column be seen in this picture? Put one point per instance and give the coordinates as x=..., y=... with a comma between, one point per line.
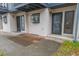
x=47, y=22
x=76, y=24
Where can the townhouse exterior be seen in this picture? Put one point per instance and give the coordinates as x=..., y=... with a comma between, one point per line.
x=41, y=18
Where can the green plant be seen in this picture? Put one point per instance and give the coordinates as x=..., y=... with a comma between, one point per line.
x=68, y=48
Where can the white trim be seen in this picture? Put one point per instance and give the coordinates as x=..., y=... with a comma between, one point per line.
x=63, y=22
x=74, y=23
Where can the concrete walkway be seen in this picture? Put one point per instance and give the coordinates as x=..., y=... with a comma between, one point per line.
x=41, y=48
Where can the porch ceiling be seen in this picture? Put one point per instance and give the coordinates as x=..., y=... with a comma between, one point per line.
x=31, y=6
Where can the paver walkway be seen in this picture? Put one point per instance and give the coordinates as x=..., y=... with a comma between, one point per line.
x=41, y=48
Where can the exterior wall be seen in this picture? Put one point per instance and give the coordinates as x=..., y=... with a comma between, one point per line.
x=6, y=27
x=42, y=27
x=11, y=25
x=70, y=8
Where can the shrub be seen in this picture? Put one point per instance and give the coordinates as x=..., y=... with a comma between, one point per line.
x=68, y=48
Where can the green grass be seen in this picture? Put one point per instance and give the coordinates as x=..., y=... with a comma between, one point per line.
x=68, y=48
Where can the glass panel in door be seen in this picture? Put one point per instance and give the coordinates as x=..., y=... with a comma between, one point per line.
x=56, y=23
x=20, y=23
x=68, y=24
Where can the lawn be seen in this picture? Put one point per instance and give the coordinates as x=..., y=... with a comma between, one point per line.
x=68, y=48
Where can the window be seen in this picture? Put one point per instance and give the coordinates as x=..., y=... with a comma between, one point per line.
x=5, y=19
x=36, y=18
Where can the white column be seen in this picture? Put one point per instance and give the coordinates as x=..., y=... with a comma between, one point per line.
x=13, y=25
x=47, y=21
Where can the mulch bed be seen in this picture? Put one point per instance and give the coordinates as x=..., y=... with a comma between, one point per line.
x=26, y=39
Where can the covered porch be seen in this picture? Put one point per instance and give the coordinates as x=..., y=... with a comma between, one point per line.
x=57, y=22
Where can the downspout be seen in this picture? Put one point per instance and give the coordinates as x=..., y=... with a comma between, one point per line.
x=76, y=26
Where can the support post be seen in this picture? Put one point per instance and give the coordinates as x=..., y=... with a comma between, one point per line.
x=76, y=30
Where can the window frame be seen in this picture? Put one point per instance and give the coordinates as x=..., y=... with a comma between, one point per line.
x=35, y=18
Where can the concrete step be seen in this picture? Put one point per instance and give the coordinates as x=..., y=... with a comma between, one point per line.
x=59, y=39
x=54, y=39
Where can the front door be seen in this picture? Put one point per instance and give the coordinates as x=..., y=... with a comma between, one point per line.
x=68, y=24
x=56, y=23
x=20, y=23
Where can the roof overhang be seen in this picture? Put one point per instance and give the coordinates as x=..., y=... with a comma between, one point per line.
x=30, y=6
x=3, y=10
x=62, y=5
